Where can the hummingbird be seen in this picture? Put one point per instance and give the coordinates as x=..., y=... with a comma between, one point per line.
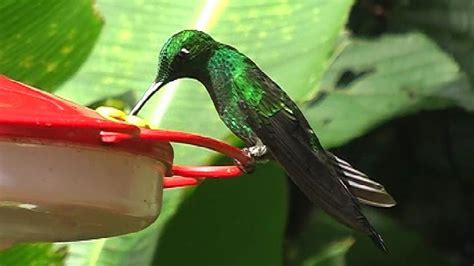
x=271, y=125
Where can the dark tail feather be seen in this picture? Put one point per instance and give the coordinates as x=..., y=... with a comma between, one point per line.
x=378, y=240
x=367, y=191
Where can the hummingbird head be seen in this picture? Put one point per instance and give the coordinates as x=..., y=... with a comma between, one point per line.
x=185, y=54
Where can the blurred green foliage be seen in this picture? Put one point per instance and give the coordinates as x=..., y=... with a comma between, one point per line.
x=44, y=43
x=34, y=255
x=392, y=59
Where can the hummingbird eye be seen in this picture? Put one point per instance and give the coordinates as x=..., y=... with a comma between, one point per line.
x=183, y=53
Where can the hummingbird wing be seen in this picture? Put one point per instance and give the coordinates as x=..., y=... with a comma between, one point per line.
x=281, y=126
x=367, y=191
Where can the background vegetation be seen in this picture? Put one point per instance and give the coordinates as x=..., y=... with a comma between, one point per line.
x=387, y=84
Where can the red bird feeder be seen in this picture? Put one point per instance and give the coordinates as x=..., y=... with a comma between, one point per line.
x=67, y=173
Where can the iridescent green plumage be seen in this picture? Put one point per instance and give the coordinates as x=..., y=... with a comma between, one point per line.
x=257, y=110
x=227, y=64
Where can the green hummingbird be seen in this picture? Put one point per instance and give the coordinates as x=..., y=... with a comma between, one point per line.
x=259, y=112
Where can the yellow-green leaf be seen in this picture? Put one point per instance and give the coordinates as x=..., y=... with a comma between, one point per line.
x=44, y=42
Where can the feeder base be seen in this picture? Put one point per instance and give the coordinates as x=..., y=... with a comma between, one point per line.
x=62, y=192
x=65, y=223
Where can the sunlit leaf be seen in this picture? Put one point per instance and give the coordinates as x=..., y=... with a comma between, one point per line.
x=33, y=255
x=133, y=249
x=291, y=42
x=44, y=42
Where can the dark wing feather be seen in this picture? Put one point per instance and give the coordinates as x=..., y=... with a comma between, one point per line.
x=293, y=144
x=366, y=191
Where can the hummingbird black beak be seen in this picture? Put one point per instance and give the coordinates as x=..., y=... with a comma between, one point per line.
x=155, y=86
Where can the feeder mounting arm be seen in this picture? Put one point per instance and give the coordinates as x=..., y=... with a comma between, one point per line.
x=193, y=175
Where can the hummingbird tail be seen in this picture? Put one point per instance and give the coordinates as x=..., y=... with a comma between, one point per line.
x=294, y=145
x=367, y=191
x=378, y=240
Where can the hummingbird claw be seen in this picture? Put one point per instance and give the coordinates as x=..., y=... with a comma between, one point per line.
x=257, y=153
x=249, y=167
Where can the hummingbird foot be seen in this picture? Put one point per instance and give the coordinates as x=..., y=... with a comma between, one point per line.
x=257, y=151
x=250, y=166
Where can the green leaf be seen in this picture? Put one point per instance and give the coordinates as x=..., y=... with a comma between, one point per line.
x=126, y=57
x=449, y=22
x=44, y=42
x=229, y=222
x=292, y=42
x=332, y=254
x=33, y=255
x=132, y=249
x=373, y=81
x=324, y=242
x=405, y=247
x=320, y=241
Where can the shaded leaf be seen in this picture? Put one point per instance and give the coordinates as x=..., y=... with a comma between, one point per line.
x=331, y=254
x=391, y=76
x=449, y=22
x=320, y=241
x=424, y=161
x=405, y=247
x=229, y=222
x=44, y=42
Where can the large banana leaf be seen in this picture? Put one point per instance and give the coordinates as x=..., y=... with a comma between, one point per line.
x=44, y=42
x=292, y=42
